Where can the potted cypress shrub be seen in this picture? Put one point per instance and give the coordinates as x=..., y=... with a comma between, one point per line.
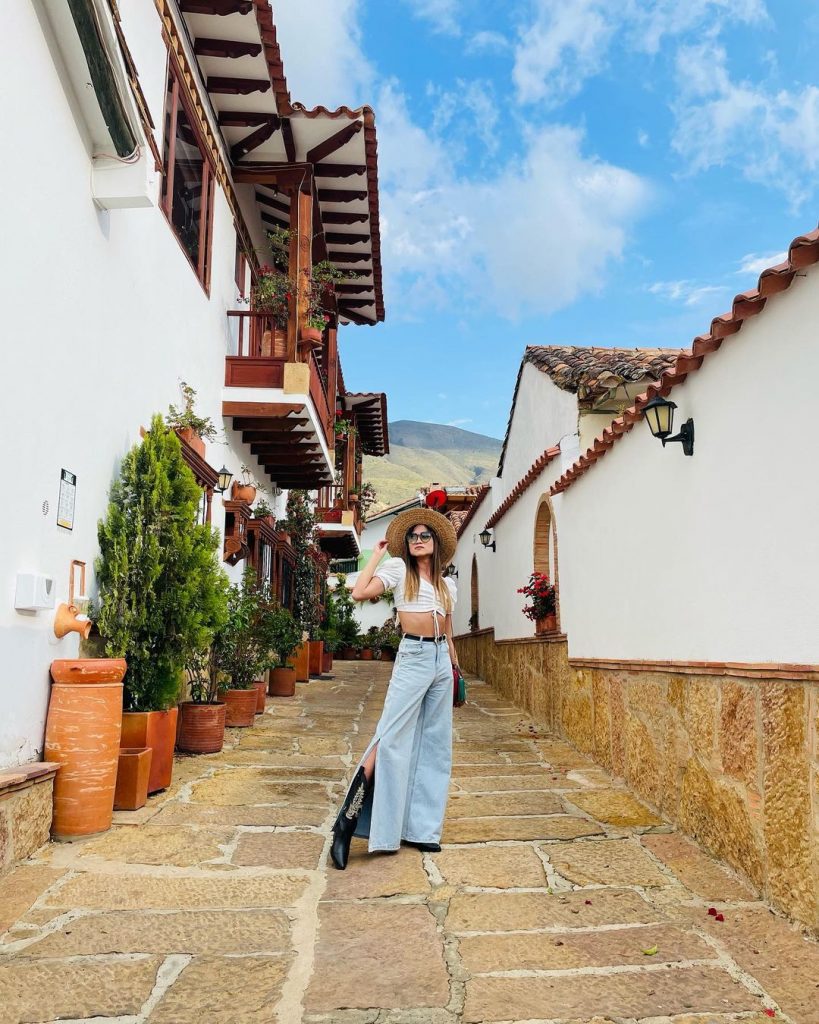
x=238, y=650
x=156, y=574
x=284, y=636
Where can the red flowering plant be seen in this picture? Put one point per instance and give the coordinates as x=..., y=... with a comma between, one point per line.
x=542, y=595
x=272, y=290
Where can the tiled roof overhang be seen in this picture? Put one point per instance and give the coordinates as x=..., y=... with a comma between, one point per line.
x=802, y=252
x=370, y=410
x=590, y=372
x=473, y=508
x=240, y=64
x=522, y=485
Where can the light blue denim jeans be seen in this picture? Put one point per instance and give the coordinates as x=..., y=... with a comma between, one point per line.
x=414, y=758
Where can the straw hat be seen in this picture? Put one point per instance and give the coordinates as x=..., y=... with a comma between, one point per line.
x=440, y=526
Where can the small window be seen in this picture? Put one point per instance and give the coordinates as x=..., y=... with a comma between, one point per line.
x=187, y=182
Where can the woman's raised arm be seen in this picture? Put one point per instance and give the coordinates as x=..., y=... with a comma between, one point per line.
x=365, y=586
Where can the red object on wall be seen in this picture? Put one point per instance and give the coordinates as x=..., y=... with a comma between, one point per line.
x=435, y=499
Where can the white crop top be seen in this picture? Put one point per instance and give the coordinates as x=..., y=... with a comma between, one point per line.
x=392, y=574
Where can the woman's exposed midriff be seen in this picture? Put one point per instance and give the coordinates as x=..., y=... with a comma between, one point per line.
x=419, y=623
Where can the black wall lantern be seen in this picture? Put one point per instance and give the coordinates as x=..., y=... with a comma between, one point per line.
x=659, y=414
x=486, y=537
x=225, y=476
x=451, y=570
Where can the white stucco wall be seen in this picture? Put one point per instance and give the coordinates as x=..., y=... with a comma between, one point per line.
x=727, y=539
x=543, y=415
x=103, y=316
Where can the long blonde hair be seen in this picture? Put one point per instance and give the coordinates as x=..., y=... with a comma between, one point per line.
x=412, y=583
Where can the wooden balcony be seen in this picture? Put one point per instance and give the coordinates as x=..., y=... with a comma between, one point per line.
x=339, y=532
x=287, y=418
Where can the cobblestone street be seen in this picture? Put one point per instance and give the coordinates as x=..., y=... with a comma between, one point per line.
x=557, y=896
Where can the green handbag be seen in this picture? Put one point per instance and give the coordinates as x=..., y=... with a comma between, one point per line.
x=458, y=688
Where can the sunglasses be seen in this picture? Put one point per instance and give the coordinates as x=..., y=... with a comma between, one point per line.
x=419, y=538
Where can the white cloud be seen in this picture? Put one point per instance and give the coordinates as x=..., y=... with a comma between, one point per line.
x=459, y=423
x=470, y=110
x=488, y=42
x=753, y=263
x=771, y=137
x=441, y=14
x=643, y=139
x=689, y=293
x=561, y=45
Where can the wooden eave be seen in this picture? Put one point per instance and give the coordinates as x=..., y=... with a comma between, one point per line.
x=266, y=134
x=369, y=410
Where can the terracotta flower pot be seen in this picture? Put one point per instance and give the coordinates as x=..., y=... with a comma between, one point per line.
x=282, y=682
x=201, y=728
x=349, y=653
x=83, y=731
x=310, y=334
x=240, y=707
x=133, y=772
x=366, y=654
x=388, y=654
x=261, y=692
x=192, y=439
x=301, y=660
x=327, y=662
x=548, y=624
x=243, y=492
x=157, y=730
x=315, y=655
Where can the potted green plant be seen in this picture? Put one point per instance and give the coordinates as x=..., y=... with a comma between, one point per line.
x=239, y=650
x=284, y=636
x=343, y=428
x=161, y=588
x=390, y=638
x=246, y=489
x=193, y=429
x=262, y=510
x=543, y=607
x=201, y=727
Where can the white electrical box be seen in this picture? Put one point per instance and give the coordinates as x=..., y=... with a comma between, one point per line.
x=34, y=591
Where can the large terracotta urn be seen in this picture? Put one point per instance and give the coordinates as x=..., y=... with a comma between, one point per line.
x=83, y=732
x=157, y=730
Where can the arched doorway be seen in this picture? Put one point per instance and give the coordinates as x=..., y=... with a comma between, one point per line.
x=474, y=595
x=544, y=547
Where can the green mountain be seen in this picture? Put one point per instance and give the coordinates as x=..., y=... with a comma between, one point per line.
x=425, y=453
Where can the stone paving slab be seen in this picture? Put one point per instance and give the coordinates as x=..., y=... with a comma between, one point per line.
x=32, y=992
x=205, y=814
x=515, y=911
x=491, y=866
x=21, y=888
x=695, y=869
x=155, y=844
x=471, y=806
x=633, y=994
x=541, y=780
x=488, y=829
x=279, y=850
x=607, y=862
x=377, y=955
x=197, y=932
x=223, y=990
x=135, y=892
x=616, y=807
x=377, y=875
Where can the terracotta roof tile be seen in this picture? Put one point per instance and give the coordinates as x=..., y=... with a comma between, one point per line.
x=802, y=252
x=590, y=371
x=470, y=512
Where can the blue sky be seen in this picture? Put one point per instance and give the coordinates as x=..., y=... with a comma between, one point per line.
x=607, y=172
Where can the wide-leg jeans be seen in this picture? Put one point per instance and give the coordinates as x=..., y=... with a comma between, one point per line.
x=414, y=758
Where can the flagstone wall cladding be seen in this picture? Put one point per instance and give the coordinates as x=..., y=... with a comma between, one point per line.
x=25, y=821
x=733, y=762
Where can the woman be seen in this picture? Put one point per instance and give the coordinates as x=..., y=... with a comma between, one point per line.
x=399, y=790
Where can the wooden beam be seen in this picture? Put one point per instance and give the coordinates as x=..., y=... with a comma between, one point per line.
x=353, y=289
x=243, y=118
x=237, y=86
x=334, y=142
x=273, y=411
x=329, y=217
x=228, y=48
x=356, y=318
x=288, y=445
x=268, y=425
x=274, y=204
x=298, y=176
x=342, y=195
x=338, y=170
x=255, y=139
x=275, y=219
x=343, y=238
x=348, y=257
x=345, y=303
x=289, y=142
x=217, y=7
x=319, y=251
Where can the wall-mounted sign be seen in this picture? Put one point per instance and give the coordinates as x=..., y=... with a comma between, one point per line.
x=68, y=497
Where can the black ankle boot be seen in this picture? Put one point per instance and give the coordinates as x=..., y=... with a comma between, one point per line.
x=426, y=847
x=347, y=819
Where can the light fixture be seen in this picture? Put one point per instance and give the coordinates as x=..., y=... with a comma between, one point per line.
x=451, y=570
x=486, y=537
x=225, y=476
x=659, y=414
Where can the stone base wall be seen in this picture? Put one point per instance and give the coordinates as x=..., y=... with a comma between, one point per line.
x=732, y=760
x=26, y=802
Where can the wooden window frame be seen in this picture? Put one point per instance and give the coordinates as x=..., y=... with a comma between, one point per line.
x=177, y=96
